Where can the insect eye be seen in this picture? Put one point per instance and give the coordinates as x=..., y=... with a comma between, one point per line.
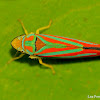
x=22, y=51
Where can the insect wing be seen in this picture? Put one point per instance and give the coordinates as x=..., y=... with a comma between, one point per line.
x=64, y=47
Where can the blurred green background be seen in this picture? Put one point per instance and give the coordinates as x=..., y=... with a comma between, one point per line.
x=26, y=79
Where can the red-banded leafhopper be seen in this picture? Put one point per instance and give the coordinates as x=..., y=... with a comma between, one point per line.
x=38, y=46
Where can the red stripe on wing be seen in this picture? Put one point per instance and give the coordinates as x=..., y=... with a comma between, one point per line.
x=56, y=41
x=50, y=50
x=85, y=51
x=75, y=40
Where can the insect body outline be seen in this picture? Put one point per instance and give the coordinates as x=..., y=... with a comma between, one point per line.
x=42, y=45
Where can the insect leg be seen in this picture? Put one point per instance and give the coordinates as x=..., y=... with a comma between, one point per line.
x=23, y=27
x=45, y=27
x=15, y=58
x=42, y=63
x=46, y=65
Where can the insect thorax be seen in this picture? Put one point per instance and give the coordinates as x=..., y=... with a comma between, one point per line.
x=31, y=43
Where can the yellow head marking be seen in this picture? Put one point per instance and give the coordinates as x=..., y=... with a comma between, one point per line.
x=17, y=43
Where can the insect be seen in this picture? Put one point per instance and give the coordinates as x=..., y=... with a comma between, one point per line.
x=41, y=45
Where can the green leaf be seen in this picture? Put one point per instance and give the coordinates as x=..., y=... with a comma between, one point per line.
x=26, y=79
